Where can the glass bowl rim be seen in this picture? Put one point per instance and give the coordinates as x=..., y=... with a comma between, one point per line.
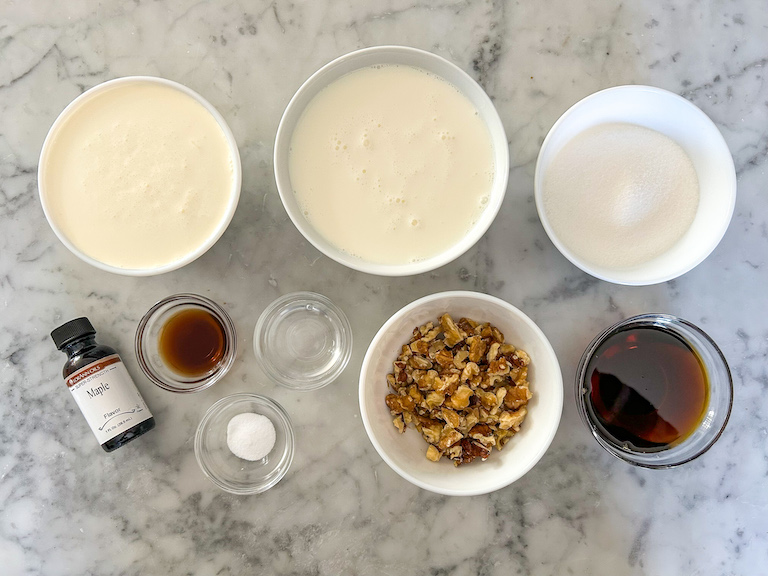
x=287, y=427
x=203, y=302
x=314, y=383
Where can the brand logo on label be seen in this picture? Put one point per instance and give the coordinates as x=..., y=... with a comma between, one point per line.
x=92, y=369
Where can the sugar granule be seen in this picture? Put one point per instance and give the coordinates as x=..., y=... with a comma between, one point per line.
x=619, y=195
x=250, y=436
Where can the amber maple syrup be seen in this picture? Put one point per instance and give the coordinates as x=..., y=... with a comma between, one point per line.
x=647, y=388
x=192, y=342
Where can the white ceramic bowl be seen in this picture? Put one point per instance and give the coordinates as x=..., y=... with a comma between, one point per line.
x=234, y=195
x=405, y=453
x=692, y=130
x=410, y=57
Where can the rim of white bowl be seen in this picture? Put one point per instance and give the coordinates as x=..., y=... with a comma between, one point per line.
x=234, y=193
x=714, y=239
x=492, y=121
x=476, y=296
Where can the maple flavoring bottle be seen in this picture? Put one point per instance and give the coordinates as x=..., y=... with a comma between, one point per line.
x=101, y=386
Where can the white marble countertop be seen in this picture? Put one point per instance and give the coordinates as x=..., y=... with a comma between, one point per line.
x=66, y=507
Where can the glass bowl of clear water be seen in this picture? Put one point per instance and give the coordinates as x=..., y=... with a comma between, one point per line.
x=303, y=341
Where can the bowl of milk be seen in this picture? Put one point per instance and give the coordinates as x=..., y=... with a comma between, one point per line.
x=391, y=161
x=139, y=176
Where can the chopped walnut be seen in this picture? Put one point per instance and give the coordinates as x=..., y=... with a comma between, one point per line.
x=444, y=358
x=471, y=450
x=460, y=398
x=433, y=453
x=493, y=352
x=470, y=370
x=451, y=333
x=420, y=362
x=477, y=347
x=517, y=396
x=513, y=420
x=435, y=400
x=420, y=347
x=459, y=360
x=399, y=404
x=462, y=387
x=451, y=418
x=448, y=438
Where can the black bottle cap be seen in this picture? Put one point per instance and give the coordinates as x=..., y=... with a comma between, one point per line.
x=72, y=330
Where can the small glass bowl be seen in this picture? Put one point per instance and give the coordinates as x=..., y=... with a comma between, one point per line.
x=303, y=341
x=715, y=415
x=148, y=335
x=226, y=470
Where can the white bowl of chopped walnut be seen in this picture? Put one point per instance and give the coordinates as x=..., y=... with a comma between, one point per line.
x=460, y=393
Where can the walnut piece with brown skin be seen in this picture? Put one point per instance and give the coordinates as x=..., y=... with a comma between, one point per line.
x=463, y=388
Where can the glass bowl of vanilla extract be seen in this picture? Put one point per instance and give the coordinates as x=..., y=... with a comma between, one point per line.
x=186, y=343
x=654, y=390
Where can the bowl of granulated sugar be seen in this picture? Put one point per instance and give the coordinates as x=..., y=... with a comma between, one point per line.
x=635, y=185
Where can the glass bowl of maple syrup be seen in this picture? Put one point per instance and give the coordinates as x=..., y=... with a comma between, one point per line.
x=186, y=343
x=654, y=390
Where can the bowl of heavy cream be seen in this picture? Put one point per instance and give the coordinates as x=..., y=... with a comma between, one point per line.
x=391, y=160
x=635, y=185
x=139, y=176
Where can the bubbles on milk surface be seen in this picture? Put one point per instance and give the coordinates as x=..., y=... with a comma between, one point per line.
x=411, y=158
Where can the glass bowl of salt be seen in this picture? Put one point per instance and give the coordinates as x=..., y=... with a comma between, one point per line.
x=244, y=443
x=635, y=185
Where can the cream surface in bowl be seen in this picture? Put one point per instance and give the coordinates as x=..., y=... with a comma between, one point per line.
x=391, y=164
x=139, y=176
x=391, y=160
x=405, y=453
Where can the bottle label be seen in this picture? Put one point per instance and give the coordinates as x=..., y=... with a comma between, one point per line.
x=107, y=397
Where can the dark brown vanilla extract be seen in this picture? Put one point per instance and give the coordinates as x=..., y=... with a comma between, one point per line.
x=648, y=388
x=192, y=342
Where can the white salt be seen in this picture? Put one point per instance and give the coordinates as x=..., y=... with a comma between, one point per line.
x=619, y=195
x=250, y=436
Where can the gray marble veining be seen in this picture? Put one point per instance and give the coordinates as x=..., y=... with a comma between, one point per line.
x=68, y=508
